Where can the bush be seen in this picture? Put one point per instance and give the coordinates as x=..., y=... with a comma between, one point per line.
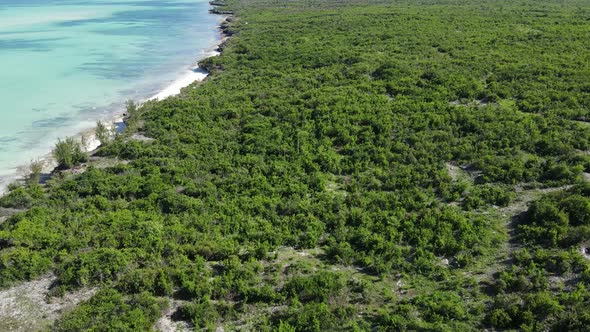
x=319, y=287
x=99, y=265
x=131, y=107
x=578, y=210
x=109, y=310
x=201, y=313
x=69, y=153
x=35, y=169
x=19, y=198
x=103, y=133
x=546, y=223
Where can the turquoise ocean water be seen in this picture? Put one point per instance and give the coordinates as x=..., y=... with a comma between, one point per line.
x=64, y=64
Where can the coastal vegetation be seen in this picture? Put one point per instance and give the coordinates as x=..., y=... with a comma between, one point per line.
x=34, y=172
x=69, y=152
x=347, y=166
x=103, y=133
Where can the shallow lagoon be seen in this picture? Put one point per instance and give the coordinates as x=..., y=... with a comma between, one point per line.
x=65, y=64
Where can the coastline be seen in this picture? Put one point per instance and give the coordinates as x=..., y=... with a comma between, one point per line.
x=191, y=75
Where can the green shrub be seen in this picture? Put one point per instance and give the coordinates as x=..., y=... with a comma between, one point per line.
x=18, y=198
x=103, y=133
x=109, y=310
x=35, y=169
x=69, y=153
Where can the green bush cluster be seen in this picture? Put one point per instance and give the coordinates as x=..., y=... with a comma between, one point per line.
x=546, y=287
x=558, y=220
x=111, y=311
x=69, y=153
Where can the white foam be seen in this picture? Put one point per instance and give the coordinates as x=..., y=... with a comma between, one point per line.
x=189, y=77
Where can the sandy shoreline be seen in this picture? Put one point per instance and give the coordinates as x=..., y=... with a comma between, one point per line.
x=188, y=77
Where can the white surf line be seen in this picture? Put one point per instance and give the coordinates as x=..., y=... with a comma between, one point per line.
x=195, y=74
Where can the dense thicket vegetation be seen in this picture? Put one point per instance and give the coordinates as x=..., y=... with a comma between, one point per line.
x=547, y=280
x=347, y=166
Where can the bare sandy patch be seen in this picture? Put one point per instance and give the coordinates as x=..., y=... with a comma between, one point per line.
x=26, y=307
